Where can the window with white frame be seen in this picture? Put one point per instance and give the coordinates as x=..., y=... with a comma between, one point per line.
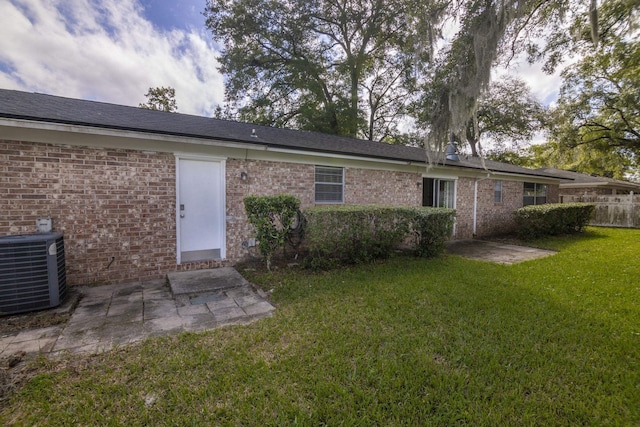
x=438, y=192
x=534, y=194
x=329, y=184
x=497, y=191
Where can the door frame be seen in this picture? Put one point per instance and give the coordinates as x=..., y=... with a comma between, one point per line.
x=437, y=178
x=223, y=206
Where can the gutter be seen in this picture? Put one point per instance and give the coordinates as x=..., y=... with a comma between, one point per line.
x=615, y=185
x=256, y=143
x=249, y=143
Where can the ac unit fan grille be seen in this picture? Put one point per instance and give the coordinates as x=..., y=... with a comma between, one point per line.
x=32, y=273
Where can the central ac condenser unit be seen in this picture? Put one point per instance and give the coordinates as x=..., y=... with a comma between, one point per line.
x=32, y=272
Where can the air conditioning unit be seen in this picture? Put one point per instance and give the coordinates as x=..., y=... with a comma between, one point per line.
x=32, y=272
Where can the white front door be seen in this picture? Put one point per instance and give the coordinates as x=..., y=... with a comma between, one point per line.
x=201, y=210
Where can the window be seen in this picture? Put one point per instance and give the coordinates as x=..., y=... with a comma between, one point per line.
x=497, y=191
x=534, y=194
x=329, y=184
x=438, y=193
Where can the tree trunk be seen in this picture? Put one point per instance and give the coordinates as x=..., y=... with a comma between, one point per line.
x=473, y=145
x=471, y=138
x=352, y=128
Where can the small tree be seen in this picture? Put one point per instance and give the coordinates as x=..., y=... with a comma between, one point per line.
x=161, y=99
x=272, y=216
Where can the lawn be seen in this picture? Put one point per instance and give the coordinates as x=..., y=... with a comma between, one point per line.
x=445, y=341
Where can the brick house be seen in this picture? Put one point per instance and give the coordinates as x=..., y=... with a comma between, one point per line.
x=582, y=184
x=139, y=193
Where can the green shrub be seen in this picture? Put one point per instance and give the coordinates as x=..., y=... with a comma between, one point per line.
x=356, y=234
x=272, y=216
x=552, y=219
x=431, y=227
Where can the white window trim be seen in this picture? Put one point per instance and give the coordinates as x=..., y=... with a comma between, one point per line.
x=495, y=184
x=328, y=202
x=436, y=180
x=535, y=192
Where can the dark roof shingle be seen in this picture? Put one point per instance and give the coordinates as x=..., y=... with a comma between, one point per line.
x=55, y=109
x=583, y=178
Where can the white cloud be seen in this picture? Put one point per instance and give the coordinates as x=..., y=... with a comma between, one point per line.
x=104, y=51
x=545, y=87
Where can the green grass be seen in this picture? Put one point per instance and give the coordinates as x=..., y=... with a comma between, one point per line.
x=446, y=341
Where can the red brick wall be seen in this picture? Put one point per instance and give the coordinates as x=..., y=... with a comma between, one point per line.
x=121, y=203
x=491, y=218
x=553, y=193
x=497, y=218
x=107, y=202
x=464, y=208
x=375, y=187
x=362, y=186
x=266, y=179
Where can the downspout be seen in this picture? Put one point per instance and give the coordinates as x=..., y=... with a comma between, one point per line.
x=475, y=202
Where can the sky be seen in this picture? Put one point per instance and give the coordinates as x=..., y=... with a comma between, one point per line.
x=115, y=50
x=110, y=50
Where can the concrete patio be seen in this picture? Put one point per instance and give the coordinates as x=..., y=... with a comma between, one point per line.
x=116, y=315
x=501, y=253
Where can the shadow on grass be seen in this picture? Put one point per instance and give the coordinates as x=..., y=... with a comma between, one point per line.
x=565, y=241
x=403, y=342
x=532, y=340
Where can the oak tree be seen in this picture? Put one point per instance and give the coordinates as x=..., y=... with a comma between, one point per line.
x=346, y=67
x=161, y=99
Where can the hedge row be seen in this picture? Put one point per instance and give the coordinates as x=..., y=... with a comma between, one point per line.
x=334, y=235
x=552, y=219
x=356, y=234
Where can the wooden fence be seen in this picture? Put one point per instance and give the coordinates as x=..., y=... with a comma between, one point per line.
x=612, y=211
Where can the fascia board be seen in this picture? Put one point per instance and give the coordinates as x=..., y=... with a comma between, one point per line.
x=39, y=131
x=36, y=131
x=629, y=186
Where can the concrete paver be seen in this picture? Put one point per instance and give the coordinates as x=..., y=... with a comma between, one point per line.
x=114, y=315
x=190, y=282
x=246, y=300
x=157, y=308
x=193, y=310
x=222, y=304
x=259, y=308
x=228, y=314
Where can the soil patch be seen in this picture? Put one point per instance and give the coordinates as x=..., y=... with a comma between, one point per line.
x=41, y=319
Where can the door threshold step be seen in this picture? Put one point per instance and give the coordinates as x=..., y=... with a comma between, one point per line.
x=202, y=281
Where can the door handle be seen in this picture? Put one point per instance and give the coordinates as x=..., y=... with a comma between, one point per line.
x=181, y=211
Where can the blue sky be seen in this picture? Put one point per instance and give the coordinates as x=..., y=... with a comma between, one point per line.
x=114, y=50
x=110, y=50
x=171, y=14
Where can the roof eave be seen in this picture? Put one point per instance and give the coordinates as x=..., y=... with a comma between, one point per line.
x=602, y=184
x=256, y=143
x=495, y=171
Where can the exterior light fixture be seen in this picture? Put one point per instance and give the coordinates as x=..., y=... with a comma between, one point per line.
x=244, y=176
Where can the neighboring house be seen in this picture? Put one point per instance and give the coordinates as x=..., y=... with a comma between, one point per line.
x=581, y=184
x=138, y=193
